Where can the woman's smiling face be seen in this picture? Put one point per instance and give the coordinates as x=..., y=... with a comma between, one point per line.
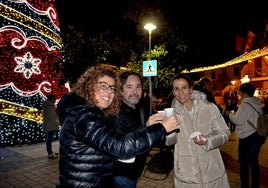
x=105, y=91
x=181, y=90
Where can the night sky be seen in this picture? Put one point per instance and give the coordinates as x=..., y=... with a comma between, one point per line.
x=211, y=27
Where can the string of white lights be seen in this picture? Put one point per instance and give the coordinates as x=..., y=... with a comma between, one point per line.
x=244, y=57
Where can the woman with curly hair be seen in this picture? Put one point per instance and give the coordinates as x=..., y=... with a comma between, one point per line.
x=88, y=144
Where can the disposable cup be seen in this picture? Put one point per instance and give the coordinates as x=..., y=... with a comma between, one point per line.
x=168, y=112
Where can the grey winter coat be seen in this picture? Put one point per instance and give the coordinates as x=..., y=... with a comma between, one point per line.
x=198, y=166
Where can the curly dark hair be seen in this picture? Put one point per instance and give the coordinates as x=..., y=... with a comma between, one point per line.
x=85, y=86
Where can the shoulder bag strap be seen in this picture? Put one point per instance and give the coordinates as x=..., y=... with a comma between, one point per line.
x=249, y=122
x=253, y=108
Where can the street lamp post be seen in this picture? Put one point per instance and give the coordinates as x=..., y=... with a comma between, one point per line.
x=149, y=27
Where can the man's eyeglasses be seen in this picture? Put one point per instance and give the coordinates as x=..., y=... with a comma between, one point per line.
x=105, y=86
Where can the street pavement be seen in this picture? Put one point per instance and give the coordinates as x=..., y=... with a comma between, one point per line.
x=27, y=166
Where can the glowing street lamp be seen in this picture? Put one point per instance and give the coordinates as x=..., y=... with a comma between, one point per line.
x=150, y=27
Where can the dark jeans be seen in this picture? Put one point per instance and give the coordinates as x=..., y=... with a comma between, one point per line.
x=49, y=139
x=248, y=154
x=232, y=126
x=124, y=182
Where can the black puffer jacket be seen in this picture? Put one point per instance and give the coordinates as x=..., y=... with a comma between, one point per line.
x=129, y=120
x=88, y=144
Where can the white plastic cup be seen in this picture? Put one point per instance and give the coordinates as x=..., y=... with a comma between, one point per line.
x=168, y=112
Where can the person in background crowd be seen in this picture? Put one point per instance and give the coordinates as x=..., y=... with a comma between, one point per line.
x=50, y=123
x=265, y=106
x=131, y=118
x=88, y=144
x=248, y=145
x=205, y=85
x=197, y=158
x=145, y=101
x=230, y=106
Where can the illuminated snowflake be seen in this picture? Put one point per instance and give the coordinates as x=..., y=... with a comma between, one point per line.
x=28, y=65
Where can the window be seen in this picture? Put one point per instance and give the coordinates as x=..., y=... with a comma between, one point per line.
x=236, y=71
x=213, y=75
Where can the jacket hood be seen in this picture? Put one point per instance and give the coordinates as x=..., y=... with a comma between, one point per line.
x=199, y=96
x=67, y=102
x=253, y=101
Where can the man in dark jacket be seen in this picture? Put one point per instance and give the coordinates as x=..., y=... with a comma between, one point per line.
x=131, y=118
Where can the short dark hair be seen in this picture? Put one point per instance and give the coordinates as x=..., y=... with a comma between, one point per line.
x=180, y=76
x=247, y=88
x=204, y=81
x=124, y=76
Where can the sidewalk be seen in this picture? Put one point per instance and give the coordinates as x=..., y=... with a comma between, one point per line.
x=28, y=167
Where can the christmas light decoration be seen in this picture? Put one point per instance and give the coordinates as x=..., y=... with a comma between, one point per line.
x=30, y=45
x=244, y=57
